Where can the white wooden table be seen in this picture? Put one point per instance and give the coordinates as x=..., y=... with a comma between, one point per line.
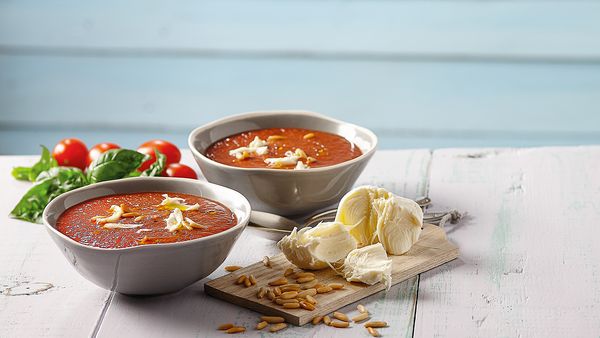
x=529, y=265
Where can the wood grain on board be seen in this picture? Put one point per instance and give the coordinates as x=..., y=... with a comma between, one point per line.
x=431, y=250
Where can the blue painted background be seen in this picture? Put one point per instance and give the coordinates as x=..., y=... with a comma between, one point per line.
x=421, y=74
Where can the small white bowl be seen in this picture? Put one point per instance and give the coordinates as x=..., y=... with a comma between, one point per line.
x=154, y=268
x=278, y=191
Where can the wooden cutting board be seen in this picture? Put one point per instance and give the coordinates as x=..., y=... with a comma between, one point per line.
x=433, y=249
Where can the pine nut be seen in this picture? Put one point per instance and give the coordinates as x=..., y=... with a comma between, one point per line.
x=261, y=292
x=291, y=305
x=289, y=295
x=376, y=324
x=241, y=279
x=337, y=324
x=317, y=320
x=224, y=327
x=261, y=325
x=277, y=291
x=360, y=317
x=373, y=332
x=232, y=268
x=266, y=261
x=309, y=285
x=319, y=285
x=311, y=300
x=252, y=279
x=304, y=274
x=326, y=320
x=285, y=301
x=307, y=306
x=290, y=288
x=324, y=289
x=277, y=327
x=270, y=295
x=340, y=316
x=280, y=281
x=361, y=308
x=309, y=292
x=139, y=218
x=308, y=136
x=272, y=319
x=275, y=138
x=336, y=286
x=288, y=272
x=305, y=279
x=247, y=282
x=236, y=329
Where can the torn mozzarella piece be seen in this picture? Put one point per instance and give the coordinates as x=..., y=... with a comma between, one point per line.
x=121, y=226
x=177, y=203
x=117, y=212
x=301, y=165
x=374, y=215
x=257, y=146
x=318, y=247
x=176, y=221
x=142, y=230
x=291, y=158
x=369, y=265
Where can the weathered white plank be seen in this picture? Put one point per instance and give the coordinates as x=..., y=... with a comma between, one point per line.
x=190, y=312
x=517, y=28
x=529, y=247
x=40, y=293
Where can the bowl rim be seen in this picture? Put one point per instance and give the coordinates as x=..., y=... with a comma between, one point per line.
x=241, y=223
x=197, y=154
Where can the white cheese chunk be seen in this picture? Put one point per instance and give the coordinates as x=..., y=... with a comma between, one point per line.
x=121, y=226
x=257, y=146
x=176, y=221
x=291, y=158
x=301, y=165
x=177, y=203
x=318, y=247
x=369, y=265
x=143, y=230
x=117, y=212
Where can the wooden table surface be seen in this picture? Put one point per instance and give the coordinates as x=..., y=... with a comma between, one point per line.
x=529, y=265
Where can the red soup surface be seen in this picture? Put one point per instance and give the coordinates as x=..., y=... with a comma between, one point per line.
x=143, y=220
x=320, y=148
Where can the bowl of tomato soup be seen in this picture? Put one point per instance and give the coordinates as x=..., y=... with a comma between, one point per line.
x=285, y=162
x=146, y=236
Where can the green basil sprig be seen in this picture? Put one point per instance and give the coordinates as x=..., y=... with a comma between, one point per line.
x=115, y=164
x=31, y=173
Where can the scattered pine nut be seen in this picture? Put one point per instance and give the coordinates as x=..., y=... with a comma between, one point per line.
x=304, y=274
x=373, y=332
x=340, y=316
x=336, y=286
x=290, y=287
x=306, y=279
x=317, y=320
x=285, y=301
x=326, y=320
x=376, y=324
x=266, y=261
x=252, y=279
x=307, y=306
x=337, y=324
x=309, y=292
x=272, y=319
x=280, y=281
x=261, y=292
x=361, y=308
x=224, y=327
x=139, y=218
x=324, y=289
x=275, y=138
x=308, y=136
x=288, y=272
x=241, y=279
x=270, y=295
x=247, y=282
x=291, y=305
x=319, y=285
x=261, y=325
x=311, y=300
x=289, y=295
x=360, y=317
x=236, y=329
x=277, y=291
x=277, y=327
x=232, y=268
x=309, y=285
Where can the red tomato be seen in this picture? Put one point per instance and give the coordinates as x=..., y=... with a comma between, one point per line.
x=70, y=152
x=167, y=148
x=180, y=170
x=97, y=150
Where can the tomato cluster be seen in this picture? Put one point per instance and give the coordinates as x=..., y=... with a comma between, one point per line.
x=72, y=152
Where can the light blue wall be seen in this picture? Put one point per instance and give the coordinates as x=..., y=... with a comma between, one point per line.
x=419, y=73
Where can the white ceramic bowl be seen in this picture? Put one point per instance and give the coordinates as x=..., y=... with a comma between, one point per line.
x=284, y=192
x=155, y=268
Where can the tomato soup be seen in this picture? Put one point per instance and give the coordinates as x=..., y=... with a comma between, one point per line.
x=282, y=148
x=126, y=220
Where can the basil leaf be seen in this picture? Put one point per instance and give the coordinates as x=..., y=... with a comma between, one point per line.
x=31, y=173
x=48, y=186
x=115, y=164
x=158, y=166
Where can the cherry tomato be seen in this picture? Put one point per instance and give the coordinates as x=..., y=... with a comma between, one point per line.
x=70, y=152
x=180, y=170
x=167, y=148
x=97, y=150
